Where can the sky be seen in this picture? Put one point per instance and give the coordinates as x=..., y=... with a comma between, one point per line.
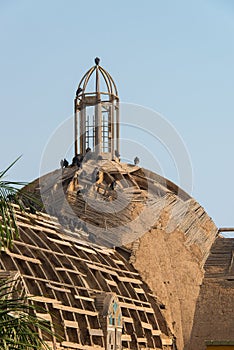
x=172, y=57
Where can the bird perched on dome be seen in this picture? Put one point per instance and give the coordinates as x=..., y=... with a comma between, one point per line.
x=65, y=163
x=97, y=60
x=136, y=160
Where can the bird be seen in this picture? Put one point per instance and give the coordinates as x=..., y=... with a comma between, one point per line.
x=113, y=185
x=65, y=163
x=78, y=91
x=97, y=60
x=136, y=160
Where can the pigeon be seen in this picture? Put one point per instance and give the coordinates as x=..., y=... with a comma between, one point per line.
x=97, y=60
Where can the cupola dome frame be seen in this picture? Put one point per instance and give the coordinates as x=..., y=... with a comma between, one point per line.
x=96, y=114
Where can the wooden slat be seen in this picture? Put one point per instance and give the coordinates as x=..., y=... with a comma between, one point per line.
x=146, y=325
x=12, y=275
x=42, y=229
x=103, y=251
x=83, y=298
x=54, y=345
x=23, y=224
x=109, y=269
x=71, y=324
x=74, y=309
x=68, y=238
x=149, y=310
x=59, y=289
x=133, y=301
x=42, y=299
x=166, y=341
x=126, y=337
x=97, y=332
x=128, y=305
x=156, y=332
x=119, y=262
x=128, y=279
x=20, y=217
x=43, y=222
x=136, y=307
x=139, y=290
x=23, y=257
x=69, y=270
x=103, y=269
x=111, y=283
x=68, y=344
x=58, y=241
x=127, y=319
x=141, y=340
x=44, y=316
x=85, y=249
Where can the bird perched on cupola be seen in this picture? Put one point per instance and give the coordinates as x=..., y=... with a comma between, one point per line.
x=97, y=61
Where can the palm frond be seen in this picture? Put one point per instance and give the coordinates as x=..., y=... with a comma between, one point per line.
x=19, y=324
x=3, y=172
x=10, y=194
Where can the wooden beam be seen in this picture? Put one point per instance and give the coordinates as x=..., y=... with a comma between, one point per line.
x=119, y=262
x=71, y=324
x=129, y=279
x=85, y=249
x=127, y=319
x=23, y=257
x=97, y=332
x=156, y=332
x=59, y=241
x=83, y=298
x=74, y=309
x=146, y=325
x=111, y=283
x=136, y=307
x=69, y=270
x=59, y=289
x=139, y=291
x=68, y=344
x=141, y=340
x=103, y=269
x=126, y=337
x=166, y=341
x=226, y=229
x=42, y=299
x=44, y=316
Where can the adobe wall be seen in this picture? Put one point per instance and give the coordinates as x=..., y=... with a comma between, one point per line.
x=171, y=263
x=214, y=315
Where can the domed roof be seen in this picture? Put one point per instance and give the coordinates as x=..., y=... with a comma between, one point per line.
x=120, y=215
x=127, y=214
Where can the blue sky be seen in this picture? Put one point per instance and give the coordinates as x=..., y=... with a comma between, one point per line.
x=175, y=57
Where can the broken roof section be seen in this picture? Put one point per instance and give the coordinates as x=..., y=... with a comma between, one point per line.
x=82, y=287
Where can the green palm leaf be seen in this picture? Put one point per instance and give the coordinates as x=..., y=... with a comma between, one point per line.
x=18, y=322
x=19, y=325
x=10, y=195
